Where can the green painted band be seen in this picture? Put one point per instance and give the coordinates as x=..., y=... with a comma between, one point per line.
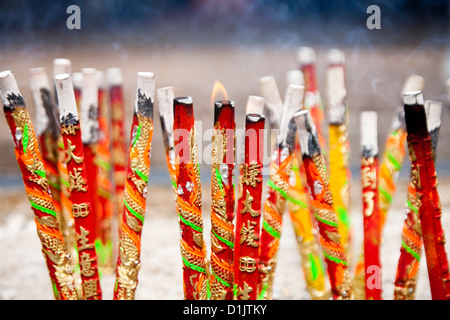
x=274, y=233
x=190, y=224
x=137, y=215
x=43, y=209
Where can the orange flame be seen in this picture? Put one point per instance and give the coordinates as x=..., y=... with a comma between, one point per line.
x=218, y=92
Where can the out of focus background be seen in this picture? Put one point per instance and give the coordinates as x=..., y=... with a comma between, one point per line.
x=191, y=44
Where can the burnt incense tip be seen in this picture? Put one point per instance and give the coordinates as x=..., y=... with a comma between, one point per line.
x=77, y=80
x=269, y=91
x=89, y=106
x=336, y=56
x=413, y=82
x=292, y=103
x=414, y=97
x=369, y=133
x=100, y=79
x=114, y=77
x=61, y=65
x=307, y=133
x=165, y=97
x=9, y=91
x=336, y=93
x=433, y=111
x=183, y=101
x=306, y=55
x=415, y=115
x=145, y=94
x=295, y=77
x=40, y=91
x=255, y=104
x=254, y=118
x=68, y=111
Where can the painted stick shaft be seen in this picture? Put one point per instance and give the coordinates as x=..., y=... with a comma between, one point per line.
x=135, y=194
x=299, y=205
x=424, y=179
x=189, y=201
x=248, y=213
x=165, y=98
x=223, y=201
x=370, y=197
x=119, y=144
x=104, y=186
x=312, y=100
x=339, y=146
x=411, y=249
x=85, y=221
x=322, y=202
x=278, y=186
x=37, y=188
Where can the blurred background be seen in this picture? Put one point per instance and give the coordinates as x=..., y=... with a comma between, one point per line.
x=191, y=44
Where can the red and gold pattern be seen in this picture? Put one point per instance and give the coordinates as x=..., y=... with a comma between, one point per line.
x=302, y=220
x=371, y=221
x=189, y=201
x=424, y=180
x=223, y=198
x=135, y=195
x=118, y=145
x=37, y=189
x=85, y=221
x=274, y=208
x=248, y=213
x=103, y=163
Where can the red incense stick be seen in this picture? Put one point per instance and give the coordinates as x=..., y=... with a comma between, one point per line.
x=37, y=188
x=248, y=213
x=322, y=202
x=222, y=195
x=189, y=201
x=85, y=221
x=424, y=179
x=371, y=213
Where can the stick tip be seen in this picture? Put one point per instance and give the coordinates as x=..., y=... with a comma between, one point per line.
x=8, y=87
x=255, y=104
x=165, y=97
x=77, y=80
x=306, y=55
x=66, y=96
x=433, y=110
x=307, y=133
x=414, y=97
x=61, y=65
x=38, y=78
x=369, y=133
x=413, y=82
x=114, y=77
x=336, y=56
x=295, y=77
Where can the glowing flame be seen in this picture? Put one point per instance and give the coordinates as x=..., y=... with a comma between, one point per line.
x=218, y=92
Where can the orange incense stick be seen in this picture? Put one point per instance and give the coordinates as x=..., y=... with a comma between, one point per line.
x=37, y=188
x=322, y=202
x=135, y=195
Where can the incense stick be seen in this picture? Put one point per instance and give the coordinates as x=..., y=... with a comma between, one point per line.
x=278, y=185
x=135, y=195
x=371, y=215
x=248, y=213
x=339, y=146
x=114, y=80
x=85, y=221
x=104, y=191
x=37, y=189
x=306, y=57
x=189, y=198
x=222, y=206
x=410, y=252
x=423, y=175
x=165, y=98
x=322, y=202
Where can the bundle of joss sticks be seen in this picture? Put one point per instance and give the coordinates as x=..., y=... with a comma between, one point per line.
x=82, y=178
